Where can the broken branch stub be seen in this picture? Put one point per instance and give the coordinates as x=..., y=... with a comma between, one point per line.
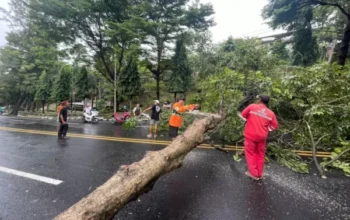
x=131, y=181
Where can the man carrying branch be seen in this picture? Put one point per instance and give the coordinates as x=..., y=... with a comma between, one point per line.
x=260, y=120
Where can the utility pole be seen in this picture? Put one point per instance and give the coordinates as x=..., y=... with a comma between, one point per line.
x=115, y=83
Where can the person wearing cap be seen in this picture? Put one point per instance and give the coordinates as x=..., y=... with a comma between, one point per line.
x=155, y=117
x=259, y=121
x=62, y=131
x=175, y=120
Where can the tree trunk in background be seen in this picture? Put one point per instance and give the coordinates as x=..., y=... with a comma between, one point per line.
x=92, y=101
x=43, y=105
x=157, y=89
x=47, y=107
x=17, y=106
x=99, y=91
x=175, y=96
x=38, y=107
x=28, y=106
x=33, y=106
x=344, y=45
x=130, y=104
x=133, y=180
x=118, y=105
x=84, y=103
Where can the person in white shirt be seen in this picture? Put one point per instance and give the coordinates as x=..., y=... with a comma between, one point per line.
x=137, y=110
x=88, y=109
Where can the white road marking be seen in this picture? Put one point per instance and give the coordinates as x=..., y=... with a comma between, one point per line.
x=31, y=176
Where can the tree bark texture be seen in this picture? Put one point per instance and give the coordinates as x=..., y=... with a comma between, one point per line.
x=17, y=107
x=344, y=45
x=158, y=87
x=33, y=106
x=130, y=181
x=43, y=105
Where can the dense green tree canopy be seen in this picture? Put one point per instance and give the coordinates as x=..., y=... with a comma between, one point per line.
x=180, y=80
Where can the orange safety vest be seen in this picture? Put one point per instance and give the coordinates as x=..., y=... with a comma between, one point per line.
x=175, y=118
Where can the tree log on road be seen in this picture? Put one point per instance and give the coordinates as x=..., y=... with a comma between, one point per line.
x=131, y=181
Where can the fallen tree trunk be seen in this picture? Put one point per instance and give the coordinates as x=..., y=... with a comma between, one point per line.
x=131, y=181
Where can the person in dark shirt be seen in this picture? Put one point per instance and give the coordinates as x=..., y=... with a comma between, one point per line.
x=155, y=117
x=62, y=131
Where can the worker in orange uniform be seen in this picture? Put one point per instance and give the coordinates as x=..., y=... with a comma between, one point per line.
x=59, y=108
x=175, y=121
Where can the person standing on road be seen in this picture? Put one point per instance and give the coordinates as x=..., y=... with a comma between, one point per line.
x=155, y=117
x=175, y=120
x=259, y=121
x=137, y=110
x=62, y=131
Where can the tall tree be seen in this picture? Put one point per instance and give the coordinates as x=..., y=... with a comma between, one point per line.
x=103, y=26
x=95, y=23
x=30, y=50
x=83, y=84
x=163, y=22
x=44, y=89
x=181, y=76
x=291, y=15
x=62, y=84
x=130, y=81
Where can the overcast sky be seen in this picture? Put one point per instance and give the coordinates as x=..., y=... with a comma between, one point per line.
x=233, y=17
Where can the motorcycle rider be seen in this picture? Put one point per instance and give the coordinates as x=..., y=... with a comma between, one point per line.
x=88, y=110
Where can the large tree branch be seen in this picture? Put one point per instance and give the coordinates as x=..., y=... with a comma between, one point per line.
x=314, y=150
x=316, y=2
x=135, y=179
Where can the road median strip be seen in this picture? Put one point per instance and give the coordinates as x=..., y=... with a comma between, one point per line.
x=147, y=141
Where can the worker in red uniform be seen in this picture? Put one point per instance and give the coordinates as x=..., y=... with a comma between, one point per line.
x=259, y=121
x=175, y=120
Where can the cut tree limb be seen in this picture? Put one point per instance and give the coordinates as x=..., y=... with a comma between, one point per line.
x=131, y=181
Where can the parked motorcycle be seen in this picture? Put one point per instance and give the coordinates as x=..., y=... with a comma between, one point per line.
x=120, y=118
x=92, y=117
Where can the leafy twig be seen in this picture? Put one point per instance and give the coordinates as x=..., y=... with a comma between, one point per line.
x=336, y=158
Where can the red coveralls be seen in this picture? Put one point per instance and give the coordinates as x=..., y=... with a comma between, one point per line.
x=260, y=120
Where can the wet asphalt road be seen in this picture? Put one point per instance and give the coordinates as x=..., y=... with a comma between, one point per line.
x=209, y=186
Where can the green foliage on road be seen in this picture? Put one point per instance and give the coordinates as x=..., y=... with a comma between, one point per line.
x=343, y=163
x=286, y=157
x=130, y=124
